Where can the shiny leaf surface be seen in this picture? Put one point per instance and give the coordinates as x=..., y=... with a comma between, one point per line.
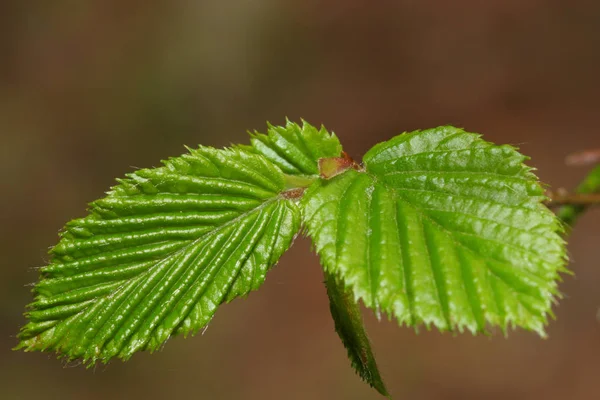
x=159, y=254
x=442, y=228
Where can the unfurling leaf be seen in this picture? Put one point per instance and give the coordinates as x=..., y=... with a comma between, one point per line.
x=443, y=228
x=159, y=254
x=349, y=326
x=296, y=149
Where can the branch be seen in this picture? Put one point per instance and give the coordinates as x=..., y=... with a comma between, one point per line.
x=588, y=190
x=563, y=198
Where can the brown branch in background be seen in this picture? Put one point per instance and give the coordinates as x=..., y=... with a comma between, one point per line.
x=561, y=198
x=572, y=206
x=587, y=157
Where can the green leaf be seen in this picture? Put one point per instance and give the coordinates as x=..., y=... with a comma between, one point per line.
x=349, y=326
x=443, y=228
x=159, y=254
x=296, y=149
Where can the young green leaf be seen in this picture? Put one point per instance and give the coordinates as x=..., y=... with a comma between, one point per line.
x=296, y=149
x=159, y=254
x=437, y=227
x=349, y=326
x=442, y=228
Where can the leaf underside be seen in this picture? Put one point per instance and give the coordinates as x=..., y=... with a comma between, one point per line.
x=443, y=229
x=349, y=326
x=159, y=254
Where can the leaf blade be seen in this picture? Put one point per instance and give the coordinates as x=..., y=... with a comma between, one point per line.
x=465, y=243
x=159, y=254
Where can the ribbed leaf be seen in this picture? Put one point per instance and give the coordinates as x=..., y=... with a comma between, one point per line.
x=349, y=326
x=159, y=254
x=442, y=228
x=296, y=149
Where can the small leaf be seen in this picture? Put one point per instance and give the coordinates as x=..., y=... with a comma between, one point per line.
x=296, y=149
x=349, y=326
x=443, y=228
x=159, y=254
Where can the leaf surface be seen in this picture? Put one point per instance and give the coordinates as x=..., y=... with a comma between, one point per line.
x=296, y=149
x=442, y=228
x=159, y=254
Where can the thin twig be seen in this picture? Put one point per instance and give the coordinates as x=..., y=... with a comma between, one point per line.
x=590, y=186
x=562, y=198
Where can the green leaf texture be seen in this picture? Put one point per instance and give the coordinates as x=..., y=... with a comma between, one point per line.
x=296, y=149
x=442, y=228
x=159, y=254
x=349, y=326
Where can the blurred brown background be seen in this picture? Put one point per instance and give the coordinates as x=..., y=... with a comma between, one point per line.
x=90, y=89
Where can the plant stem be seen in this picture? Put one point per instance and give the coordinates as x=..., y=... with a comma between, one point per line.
x=588, y=190
x=563, y=198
